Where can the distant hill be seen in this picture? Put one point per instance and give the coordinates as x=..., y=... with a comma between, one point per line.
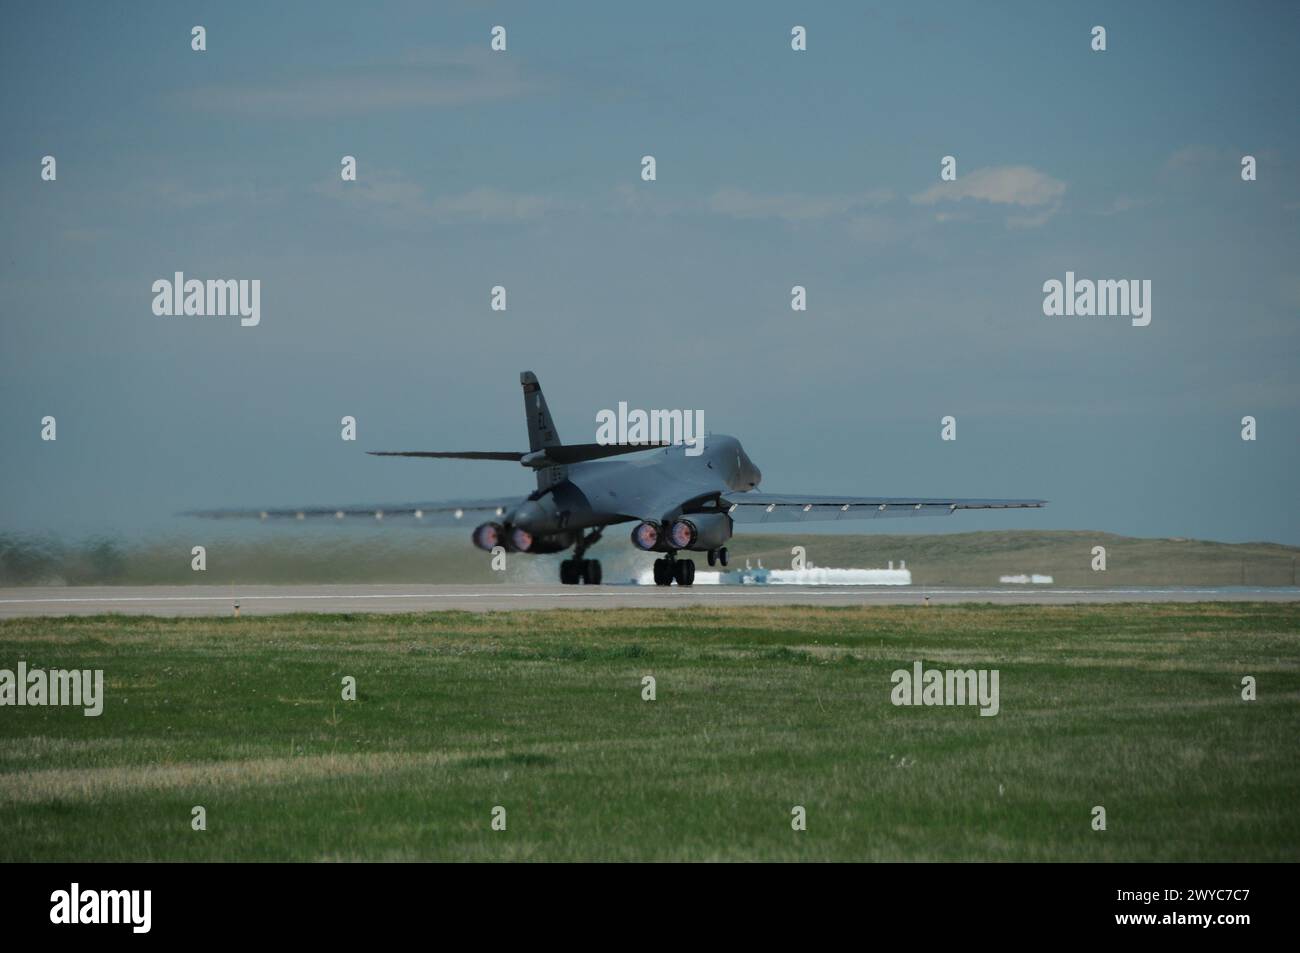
x=410, y=556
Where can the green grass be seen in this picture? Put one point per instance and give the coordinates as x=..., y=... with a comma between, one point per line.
x=1136, y=708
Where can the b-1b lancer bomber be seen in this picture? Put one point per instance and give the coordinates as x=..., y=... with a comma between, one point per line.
x=681, y=499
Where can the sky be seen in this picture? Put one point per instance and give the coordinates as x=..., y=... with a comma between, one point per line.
x=774, y=168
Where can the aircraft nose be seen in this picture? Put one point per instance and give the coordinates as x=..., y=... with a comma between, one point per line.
x=749, y=473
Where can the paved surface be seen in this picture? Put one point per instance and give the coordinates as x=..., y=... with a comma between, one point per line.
x=269, y=600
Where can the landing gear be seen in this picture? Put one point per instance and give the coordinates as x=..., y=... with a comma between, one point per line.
x=672, y=568
x=718, y=556
x=578, y=569
x=684, y=572
x=574, y=571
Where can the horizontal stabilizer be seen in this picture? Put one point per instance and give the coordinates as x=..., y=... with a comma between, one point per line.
x=580, y=452
x=559, y=455
x=451, y=454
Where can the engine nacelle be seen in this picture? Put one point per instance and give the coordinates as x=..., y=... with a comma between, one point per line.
x=488, y=536
x=698, y=531
x=648, y=536
x=554, y=543
x=516, y=539
x=521, y=541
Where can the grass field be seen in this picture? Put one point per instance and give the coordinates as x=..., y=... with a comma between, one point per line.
x=1134, y=708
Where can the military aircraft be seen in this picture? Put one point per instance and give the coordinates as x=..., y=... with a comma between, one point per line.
x=682, y=499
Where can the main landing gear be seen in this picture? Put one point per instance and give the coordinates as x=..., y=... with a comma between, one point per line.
x=682, y=571
x=672, y=568
x=576, y=570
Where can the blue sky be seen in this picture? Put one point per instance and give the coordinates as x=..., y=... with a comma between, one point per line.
x=775, y=168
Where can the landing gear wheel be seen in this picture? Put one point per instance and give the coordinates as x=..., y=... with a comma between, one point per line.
x=569, y=572
x=722, y=556
x=663, y=572
x=591, y=572
x=713, y=557
x=684, y=572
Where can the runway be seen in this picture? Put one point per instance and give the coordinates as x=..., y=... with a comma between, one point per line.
x=274, y=600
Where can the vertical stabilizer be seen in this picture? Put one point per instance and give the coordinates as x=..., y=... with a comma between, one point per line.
x=541, y=429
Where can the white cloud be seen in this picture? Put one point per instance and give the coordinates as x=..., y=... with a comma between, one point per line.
x=425, y=79
x=491, y=205
x=1001, y=185
x=876, y=229
x=399, y=202
x=792, y=206
x=1190, y=158
x=1037, y=193
x=184, y=196
x=1124, y=203
x=1031, y=219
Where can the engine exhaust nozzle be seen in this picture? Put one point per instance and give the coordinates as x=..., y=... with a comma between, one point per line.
x=488, y=536
x=646, y=536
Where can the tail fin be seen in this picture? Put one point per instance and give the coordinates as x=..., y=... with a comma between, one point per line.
x=541, y=429
x=545, y=454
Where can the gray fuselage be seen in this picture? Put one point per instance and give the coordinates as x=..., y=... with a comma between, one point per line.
x=657, y=485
